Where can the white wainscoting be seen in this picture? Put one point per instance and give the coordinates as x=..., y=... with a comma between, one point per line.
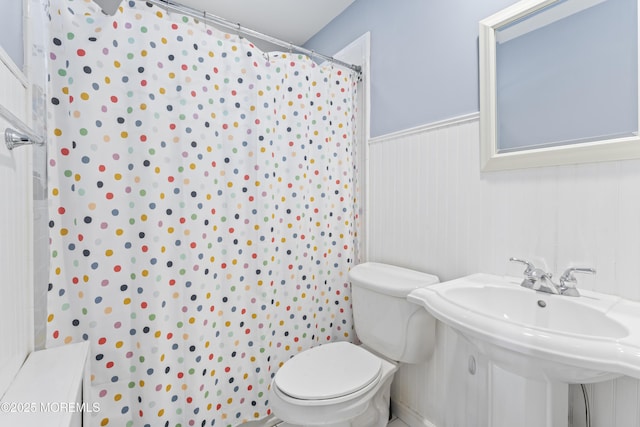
x=431, y=209
x=16, y=263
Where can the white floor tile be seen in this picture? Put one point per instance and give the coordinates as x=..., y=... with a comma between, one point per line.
x=396, y=422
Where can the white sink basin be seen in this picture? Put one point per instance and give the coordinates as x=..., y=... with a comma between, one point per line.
x=583, y=339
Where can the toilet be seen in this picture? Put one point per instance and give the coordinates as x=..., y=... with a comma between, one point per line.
x=341, y=384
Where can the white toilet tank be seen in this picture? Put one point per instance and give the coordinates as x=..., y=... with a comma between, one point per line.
x=384, y=320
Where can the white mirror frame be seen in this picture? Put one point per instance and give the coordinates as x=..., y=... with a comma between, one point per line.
x=490, y=158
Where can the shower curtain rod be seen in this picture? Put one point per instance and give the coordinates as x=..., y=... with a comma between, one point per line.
x=207, y=17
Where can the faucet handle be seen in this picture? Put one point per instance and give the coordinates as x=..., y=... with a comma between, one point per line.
x=568, y=281
x=530, y=267
x=568, y=276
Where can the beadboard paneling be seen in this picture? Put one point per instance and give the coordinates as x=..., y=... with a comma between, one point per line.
x=16, y=303
x=16, y=235
x=431, y=209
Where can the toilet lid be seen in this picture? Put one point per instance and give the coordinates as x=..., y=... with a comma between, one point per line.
x=328, y=371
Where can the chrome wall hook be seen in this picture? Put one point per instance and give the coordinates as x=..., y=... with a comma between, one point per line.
x=13, y=139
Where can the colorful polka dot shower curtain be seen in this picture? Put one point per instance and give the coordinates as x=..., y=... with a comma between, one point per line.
x=203, y=212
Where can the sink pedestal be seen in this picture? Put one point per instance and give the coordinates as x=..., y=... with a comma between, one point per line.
x=515, y=400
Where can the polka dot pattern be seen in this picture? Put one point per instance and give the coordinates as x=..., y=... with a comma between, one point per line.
x=203, y=212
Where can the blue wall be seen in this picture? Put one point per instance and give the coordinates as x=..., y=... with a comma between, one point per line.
x=11, y=31
x=424, y=56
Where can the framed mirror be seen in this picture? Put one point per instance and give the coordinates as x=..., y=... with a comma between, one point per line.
x=559, y=83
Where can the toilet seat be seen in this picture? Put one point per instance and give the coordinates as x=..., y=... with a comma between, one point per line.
x=337, y=371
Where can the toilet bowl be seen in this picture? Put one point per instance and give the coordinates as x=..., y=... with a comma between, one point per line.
x=341, y=384
x=334, y=384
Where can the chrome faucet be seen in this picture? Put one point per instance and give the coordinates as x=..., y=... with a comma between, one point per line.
x=539, y=280
x=536, y=278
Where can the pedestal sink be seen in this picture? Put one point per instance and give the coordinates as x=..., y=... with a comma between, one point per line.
x=541, y=341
